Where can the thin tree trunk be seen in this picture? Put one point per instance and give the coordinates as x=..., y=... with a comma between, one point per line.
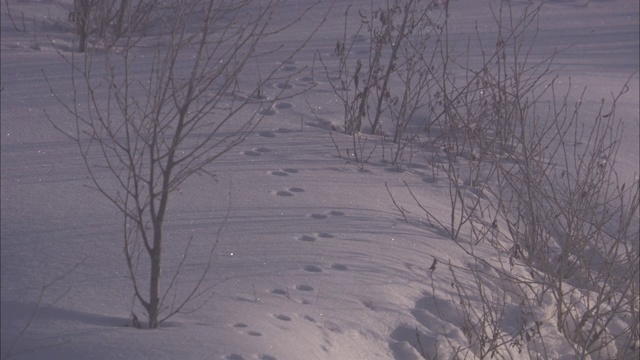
x=154, y=284
x=82, y=9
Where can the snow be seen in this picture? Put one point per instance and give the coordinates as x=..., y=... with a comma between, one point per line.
x=315, y=261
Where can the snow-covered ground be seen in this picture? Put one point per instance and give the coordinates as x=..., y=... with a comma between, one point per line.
x=315, y=260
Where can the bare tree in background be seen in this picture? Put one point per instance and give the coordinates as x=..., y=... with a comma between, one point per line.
x=80, y=16
x=145, y=128
x=110, y=20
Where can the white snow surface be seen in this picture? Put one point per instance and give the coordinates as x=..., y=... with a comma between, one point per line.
x=315, y=261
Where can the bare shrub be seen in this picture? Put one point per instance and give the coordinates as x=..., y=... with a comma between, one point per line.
x=575, y=221
x=529, y=179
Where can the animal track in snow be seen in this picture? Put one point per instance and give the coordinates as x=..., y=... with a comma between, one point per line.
x=283, y=105
x=283, y=86
x=303, y=287
x=279, y=292
x=251, y=153
x=267, y=112
x=256, y=152
x=312, y=268
x=284, y=172
x=306, y=79
x=309, y=318
x=308, y=238
x=239, y=326
x=340, y=267
x=282, y=317
x=283, y=193
x=267, y=134
x=289, y=192
x=289, y=66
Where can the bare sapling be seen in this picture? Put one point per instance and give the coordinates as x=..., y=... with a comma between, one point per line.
x=143, y=127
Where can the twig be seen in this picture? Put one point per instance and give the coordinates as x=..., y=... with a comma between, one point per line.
x=11, y=18
x=396, y=204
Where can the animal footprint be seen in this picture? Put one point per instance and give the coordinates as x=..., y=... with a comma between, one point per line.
x=339, y=267
x=256, y=152
x=324, y=216
x=244, y=326
x=284, y=193
x=307, y=238
x=288, y=192
x=289, y=66
x=309, y=318
x=283, y=86
x=284, y=172
x=267, y=134
x=304, y=287
x=306, y=79
x=267, y=112
x=312, y=268
x=283, y=105
x=279, y=292
x=282, y=317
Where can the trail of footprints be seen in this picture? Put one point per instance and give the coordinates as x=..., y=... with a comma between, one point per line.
x=245, y=329
x=290, y=192
x=300, y=289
